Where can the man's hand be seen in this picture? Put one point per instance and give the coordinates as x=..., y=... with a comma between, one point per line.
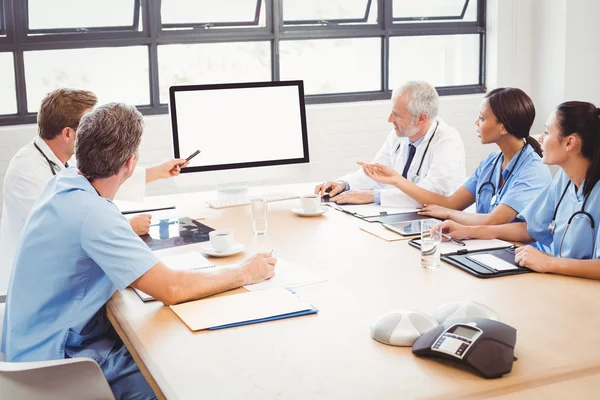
x=534, y=259
x=456, y=230
x=354, y=197
x=165, y=170
x=435, y=211
x=258, y=268
x=141, y=224
x=380, y=173
x=333, y=187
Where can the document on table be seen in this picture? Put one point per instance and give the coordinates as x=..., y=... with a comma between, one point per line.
x=471, y=245
x=287, y=275
x=241, y=309
x=192, y=260
x=372, y=210
x=492, y=261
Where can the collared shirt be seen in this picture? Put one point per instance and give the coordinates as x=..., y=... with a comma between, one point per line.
x=442, y=171
x=26, y=176
x=76, y=250
x=525, y=181
x=376, y=192
x=580, y=239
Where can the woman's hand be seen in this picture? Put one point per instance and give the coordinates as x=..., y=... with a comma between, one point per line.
x=432, y=210
x=456, y=230
x=534, y=259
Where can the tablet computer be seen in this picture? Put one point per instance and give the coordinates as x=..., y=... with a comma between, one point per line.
x=406, y=228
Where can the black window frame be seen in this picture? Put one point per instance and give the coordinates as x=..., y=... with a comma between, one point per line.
x=18, y=39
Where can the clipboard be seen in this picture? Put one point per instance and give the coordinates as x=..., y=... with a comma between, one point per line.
x=383, y=217
x=465, y=260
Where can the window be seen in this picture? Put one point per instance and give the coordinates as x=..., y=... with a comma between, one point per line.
x=134, y=50
x=8, y=103
x=195, y=14
x=82, y=15
x=332, y=65
x=434, y=10
x=113, y=74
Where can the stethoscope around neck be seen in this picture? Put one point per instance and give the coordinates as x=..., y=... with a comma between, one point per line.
x=489, y=180
x=416, y=177
x=552, y=224
x=51, y=163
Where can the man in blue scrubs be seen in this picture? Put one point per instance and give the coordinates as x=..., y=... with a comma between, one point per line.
x=77, y=249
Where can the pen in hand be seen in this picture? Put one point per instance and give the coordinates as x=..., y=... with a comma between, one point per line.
x=458, y=242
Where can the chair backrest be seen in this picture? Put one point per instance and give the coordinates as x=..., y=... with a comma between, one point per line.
x=76, y=378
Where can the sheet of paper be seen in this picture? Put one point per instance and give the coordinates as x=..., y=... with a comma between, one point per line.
x=493, y=262
x=190, y=261
x=287, y=275
x=373, y=210
x=449, y=247
x=216, y=311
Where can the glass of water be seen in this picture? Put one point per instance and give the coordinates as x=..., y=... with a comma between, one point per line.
x=431, y=238
x=258, y=207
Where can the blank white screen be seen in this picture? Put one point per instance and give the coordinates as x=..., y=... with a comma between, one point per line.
x=233, y=126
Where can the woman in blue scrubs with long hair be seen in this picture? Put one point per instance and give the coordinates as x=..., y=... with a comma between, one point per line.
x=565, y=216
x=505, y=182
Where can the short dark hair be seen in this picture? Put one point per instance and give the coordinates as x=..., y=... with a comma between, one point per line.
x=106, y=138
x=515, y=110
x=583, y=119
x=63, y=108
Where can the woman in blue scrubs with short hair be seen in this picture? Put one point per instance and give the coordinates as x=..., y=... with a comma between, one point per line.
x=564, y=216
x=505, y=182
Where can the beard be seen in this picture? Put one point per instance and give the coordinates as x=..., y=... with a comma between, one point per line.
x=408, y=131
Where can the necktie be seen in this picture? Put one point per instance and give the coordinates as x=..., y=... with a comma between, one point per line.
x=411, y=154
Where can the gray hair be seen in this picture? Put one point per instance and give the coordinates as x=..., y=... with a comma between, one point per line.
x=106, y=138
x=421, y=97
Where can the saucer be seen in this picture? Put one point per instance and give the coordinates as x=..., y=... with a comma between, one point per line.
x=207, y=249
x=320, y=211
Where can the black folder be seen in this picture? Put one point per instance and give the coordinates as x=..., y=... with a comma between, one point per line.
x=462, y=260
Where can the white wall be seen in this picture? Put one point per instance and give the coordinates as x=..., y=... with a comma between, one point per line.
x=565, y=54
x=341, y=134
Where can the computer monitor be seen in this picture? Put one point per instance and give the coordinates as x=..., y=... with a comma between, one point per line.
x=239, y=125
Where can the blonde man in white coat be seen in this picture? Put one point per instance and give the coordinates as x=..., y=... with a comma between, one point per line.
x=422, y=147
x=49, y=153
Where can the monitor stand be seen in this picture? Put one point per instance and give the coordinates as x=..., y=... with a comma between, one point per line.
x=234, y=192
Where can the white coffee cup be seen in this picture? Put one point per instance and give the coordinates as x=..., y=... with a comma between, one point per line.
x=310, y=203
x=222, y=239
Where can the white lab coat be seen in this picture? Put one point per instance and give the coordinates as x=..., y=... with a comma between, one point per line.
x=26, y=177
x=443, y=169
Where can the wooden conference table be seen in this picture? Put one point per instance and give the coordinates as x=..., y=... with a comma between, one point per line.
x=331, y=355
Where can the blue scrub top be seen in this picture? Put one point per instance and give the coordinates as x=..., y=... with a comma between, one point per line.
x=75, y=251
x=578, y=242
x=528, y=178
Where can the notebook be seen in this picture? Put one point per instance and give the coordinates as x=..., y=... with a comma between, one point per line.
x=371, y=210
x=242, y=309
x=188, y=261
x=471, y=245
x=481, y=258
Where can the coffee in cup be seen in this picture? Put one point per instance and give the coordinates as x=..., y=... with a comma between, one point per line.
x=310, y=203
x=222, y=239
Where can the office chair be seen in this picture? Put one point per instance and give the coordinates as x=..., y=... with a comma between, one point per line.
x=75, y=378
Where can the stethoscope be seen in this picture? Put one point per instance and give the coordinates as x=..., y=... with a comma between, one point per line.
x=489, y=180
x=51, y=163
x=417, y=175
x=552, y=225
